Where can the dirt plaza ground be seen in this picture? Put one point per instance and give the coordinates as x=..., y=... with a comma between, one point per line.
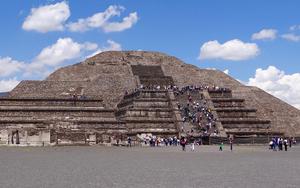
x=97, y=166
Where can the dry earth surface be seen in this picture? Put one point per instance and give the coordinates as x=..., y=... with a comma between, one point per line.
x=89, y=167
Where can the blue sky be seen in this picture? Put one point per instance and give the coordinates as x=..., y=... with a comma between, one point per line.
x=178, y=28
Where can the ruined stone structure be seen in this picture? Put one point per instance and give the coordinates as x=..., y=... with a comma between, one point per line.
x=85, y=103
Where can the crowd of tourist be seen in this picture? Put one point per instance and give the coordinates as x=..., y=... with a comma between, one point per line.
x=176, y=89
x=276, y=144
x=279, y=143
x=184, y=89
x=156, y=141
x=196, y=111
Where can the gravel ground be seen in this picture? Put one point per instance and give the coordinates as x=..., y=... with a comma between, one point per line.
x=85, y=167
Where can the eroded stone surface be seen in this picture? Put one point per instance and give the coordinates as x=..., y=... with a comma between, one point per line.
x=103, y=80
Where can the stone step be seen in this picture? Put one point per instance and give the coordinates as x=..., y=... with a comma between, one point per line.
x=153, y=104
x=187, y=126
x=150, y=80
x=151, y=99
x=102, y=125
x=143, y=70
x=243, y=120
x=153, y=91
x=245, y=124
x=55, y=108
x=218, y=100
x=254, y=132
x=237, y=116
x=153, y=94
x=220, y=94
x=92, y=119
x=131, y=95
x=150, y=109
x=236, y=113
x=155, y=131
x=17, y=120
x=148, y=119
x=146, y=93
x=127, y=102
x=235, y=109
x=55, y=114
x=242, y=126
x=145, y=118
x=135, y=125
x=50, y=102
x=48, y=121
x=133, y=109
x=229, y=105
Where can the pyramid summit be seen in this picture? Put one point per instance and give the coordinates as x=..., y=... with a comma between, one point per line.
x=116, y=94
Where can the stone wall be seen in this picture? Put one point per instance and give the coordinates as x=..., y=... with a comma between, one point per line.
x=26, y=137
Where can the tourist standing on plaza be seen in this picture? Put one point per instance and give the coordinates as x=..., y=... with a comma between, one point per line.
x=158, y=142
x=285, y=143
x=192, y=143
x=294, y=141
x=183, y=143
x=271, y=145
x=231, y=143
x=274, y=140
x=280, y=144
x=129, y=141
x=221, y=146
x=193, y=146
x=290, y=142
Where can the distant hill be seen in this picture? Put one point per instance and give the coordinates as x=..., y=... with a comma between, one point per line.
x=2, y=94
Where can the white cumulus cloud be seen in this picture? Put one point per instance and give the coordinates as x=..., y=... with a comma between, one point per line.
x=279, y=84
x=265, y=34
x=8, y=85
x=8, y=66
x=64, y=49
x=291, y=37
x=295, y=27
x=101, y=20
x=234, y=50
x=111, y=46
x=89, y=46
x=120, y=26
x=55, y=55
x=226, y=71
x=47, y=18
x=49, y=59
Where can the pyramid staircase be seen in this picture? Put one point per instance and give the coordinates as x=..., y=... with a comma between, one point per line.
x=236, y=118
x=189, y=125
x=147, y=111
